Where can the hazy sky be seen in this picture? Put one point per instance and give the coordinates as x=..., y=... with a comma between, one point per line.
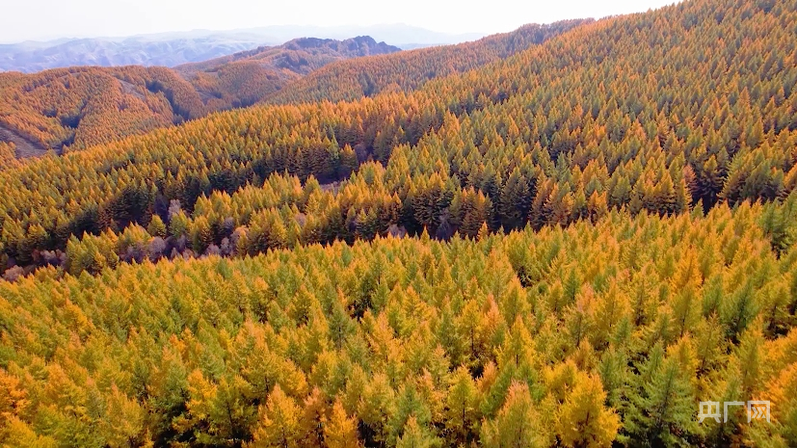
x=48, y=19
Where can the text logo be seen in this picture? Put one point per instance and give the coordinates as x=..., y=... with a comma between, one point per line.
x=756, y=410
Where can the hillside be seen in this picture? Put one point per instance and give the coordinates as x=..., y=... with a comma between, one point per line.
x=242, y=79
x=81, y=107
x=568, y=246
x=350, y=80
x=596, y=332
x=560, y=132
x=8, y=155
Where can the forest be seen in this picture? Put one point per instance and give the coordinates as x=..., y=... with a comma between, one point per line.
x=575, y=336
x=568, y=236
x=79, y=107
x=75, y=108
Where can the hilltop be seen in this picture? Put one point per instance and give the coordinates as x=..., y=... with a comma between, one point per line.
x=242, y=79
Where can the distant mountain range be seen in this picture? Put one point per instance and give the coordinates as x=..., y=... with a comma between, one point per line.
x=32, y=57
x=173, y=49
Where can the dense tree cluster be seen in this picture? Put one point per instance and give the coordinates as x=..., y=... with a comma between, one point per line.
x=86, y=106
x=81, y=107
x=238, y=84
x=567, y=337
x=8, y=157
x=568, y=247
x=641, y=118
x=407, y=71
x=245, y=78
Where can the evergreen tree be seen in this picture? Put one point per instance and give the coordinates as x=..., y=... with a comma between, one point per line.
x=278, y=423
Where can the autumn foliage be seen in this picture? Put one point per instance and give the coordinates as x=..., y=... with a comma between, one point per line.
x=81, y=107
x=571, y=246
x=578, y=336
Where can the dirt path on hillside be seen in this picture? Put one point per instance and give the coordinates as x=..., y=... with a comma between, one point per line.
x=26, y=147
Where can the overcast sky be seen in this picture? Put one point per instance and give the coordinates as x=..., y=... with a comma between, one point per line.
x=50, y=19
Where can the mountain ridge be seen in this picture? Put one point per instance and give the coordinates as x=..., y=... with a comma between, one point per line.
x=79, y=107
x=177, y=48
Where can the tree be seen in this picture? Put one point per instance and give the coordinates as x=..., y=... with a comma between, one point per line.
x=583, y=420
x=779, y=392
x=313, y=419
x=178, y=224
x=156, y=227
x=340, y=431
x=278, y=422
x=415, y=436
x=375, y=409
x=738, y=311
x=348, y=162
x=517, y=424
x=219, y=413
x=515, y=201
x=663, y=414
x=18, y=433
x=125, y=424
x=461, y=412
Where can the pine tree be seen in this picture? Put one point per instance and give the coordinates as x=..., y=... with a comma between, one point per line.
x=461, y=412
x=340, y=430
x=278, y=424
x=348, y=162
x=514, y=201
x=663, y=414
x=376, y=406
x=738, y=311
x=313, y=420
x=16, y=432
x=178, y=225
x=415, y=436
x=156, y=227
x=583, y=420
x=517, y=423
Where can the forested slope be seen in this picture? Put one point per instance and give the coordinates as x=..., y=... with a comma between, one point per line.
x=350, y=80
x=8, y=156
x=644, y=117
x=81, y=107
x=245, y=78
x=564, y=337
